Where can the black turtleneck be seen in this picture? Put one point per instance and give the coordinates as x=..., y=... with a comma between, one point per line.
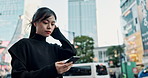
x=35, y=58
x=39, y=37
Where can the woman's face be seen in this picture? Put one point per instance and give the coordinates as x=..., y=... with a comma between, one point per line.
x=45, y=27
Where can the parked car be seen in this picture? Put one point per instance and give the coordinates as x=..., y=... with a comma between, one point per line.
x=87, y=70
x=143, y=73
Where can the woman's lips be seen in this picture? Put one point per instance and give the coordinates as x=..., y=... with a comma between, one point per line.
x=48, y=32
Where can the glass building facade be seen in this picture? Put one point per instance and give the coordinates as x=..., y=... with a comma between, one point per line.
x=10, y=13
x=82, y=18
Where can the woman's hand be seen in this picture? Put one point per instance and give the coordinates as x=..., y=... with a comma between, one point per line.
x=56, y=34
x=56, y=26
x=62, y=67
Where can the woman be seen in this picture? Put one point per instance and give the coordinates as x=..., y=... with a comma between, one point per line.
x=33, y=57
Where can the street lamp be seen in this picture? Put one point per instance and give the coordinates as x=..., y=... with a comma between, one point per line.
x=121, y=62
x=73, y=34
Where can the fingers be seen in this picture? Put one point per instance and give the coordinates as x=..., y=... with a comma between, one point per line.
x=63, y=67
x=56, y=26
x=69, y=64
x=67, y=67
x=60, y=62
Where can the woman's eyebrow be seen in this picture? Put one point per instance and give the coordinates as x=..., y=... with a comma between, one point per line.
x=50, y=21
x=53, y=21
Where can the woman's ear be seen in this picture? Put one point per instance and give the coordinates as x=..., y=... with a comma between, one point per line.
x=35, y=24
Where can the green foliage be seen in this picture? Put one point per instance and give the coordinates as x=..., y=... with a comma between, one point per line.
x=85, y=46
x=113, y=54
x=111, y=50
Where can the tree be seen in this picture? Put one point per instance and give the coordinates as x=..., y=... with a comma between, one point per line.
x=113, y=53
x=84, y=46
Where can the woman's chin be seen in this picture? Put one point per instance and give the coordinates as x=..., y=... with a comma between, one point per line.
x=46, y=35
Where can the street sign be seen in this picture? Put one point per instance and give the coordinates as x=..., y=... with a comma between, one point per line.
x=135, y=70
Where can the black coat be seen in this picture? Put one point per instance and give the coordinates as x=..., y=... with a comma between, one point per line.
x=35, y=58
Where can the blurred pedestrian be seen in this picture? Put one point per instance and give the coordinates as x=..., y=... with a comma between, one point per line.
x=112, y=74
x=33, y=57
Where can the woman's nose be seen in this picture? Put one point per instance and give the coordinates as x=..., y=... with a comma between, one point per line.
x=49, y=26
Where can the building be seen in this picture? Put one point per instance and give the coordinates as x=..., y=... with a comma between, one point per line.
x=134, y=21
x=9, y=15
x=15, y=16
x=82, y=19
x=142, y=6
x=100, y=54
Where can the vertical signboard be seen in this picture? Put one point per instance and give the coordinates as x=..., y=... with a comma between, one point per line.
x=134, y=47
x=142, y=6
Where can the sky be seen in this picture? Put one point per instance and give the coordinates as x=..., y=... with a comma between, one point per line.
x=109, y=12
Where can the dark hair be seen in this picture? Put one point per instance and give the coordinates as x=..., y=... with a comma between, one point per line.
x=40, y=15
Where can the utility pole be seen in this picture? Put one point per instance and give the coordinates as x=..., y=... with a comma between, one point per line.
x=73, y=38
x=120, y=59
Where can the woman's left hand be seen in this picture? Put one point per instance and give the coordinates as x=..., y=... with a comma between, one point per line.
x=63, y=67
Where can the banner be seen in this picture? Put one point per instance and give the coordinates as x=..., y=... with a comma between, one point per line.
x=134, y=48
x=142, y=6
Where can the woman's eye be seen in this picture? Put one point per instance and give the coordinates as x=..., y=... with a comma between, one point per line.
x=52, y=24
x=45, y=22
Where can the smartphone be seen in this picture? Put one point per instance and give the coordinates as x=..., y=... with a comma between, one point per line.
x=73, y=59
